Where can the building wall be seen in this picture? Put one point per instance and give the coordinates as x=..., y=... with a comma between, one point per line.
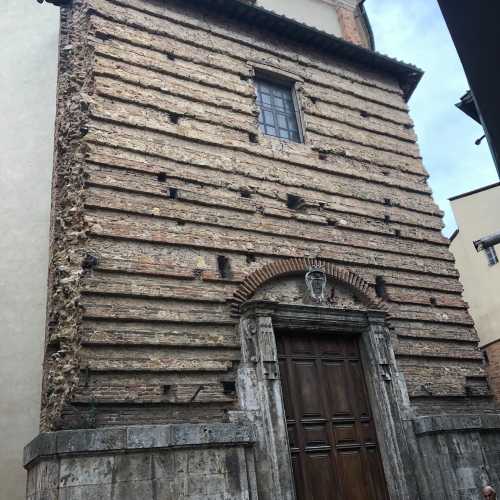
x=28, y=56
x=162, y=169
x=321, y=14
x=341, y=18
x=493, y=366
x=477, y=217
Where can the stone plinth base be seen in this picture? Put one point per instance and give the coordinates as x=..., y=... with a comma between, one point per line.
x=457, y=455
x=166, y=462
x=451, y=457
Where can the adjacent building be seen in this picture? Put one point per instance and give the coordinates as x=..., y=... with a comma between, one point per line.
x=476, y=38
x=346, y=19
x=476, y=214
x=249, y=294
x=28, y=55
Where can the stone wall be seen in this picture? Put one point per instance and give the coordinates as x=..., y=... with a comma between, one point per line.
x=162, y=174
x=493, y=366
x=457, y=456
x=180, y=462
x=169, y=204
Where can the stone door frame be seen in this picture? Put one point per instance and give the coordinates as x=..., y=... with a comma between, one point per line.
x=261, y=398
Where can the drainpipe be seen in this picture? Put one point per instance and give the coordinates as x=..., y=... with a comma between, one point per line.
x=487, y=241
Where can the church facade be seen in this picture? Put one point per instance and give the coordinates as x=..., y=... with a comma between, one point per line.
x=249, y=294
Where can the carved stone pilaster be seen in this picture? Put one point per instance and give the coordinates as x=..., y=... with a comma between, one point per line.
x=261, y=400
x=391, y=407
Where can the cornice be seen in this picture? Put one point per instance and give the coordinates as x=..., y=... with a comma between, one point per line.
x=351, y=4
x=57, y=3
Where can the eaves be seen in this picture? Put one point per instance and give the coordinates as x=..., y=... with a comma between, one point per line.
x=245, y=11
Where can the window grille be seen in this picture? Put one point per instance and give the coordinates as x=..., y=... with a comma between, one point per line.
x=277, y=110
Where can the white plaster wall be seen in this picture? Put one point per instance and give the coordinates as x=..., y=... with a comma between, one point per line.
x=477, y=216
x=320, y=14
x=28, y=62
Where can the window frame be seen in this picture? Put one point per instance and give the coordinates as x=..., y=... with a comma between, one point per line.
x=286, y=80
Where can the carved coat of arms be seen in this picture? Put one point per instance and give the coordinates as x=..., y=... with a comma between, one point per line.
x=316, y=282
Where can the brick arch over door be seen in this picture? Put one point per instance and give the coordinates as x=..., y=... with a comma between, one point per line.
x=284, y=267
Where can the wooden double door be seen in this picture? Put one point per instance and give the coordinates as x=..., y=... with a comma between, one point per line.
x=330, y=427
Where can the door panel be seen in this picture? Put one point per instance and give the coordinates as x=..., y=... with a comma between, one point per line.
x=335, y=377
x=330, y=428
x=320, y=479
x=305, y=390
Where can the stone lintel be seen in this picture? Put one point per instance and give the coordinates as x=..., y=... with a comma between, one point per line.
x=136, y=438
x=313, y=316
x=456, y=423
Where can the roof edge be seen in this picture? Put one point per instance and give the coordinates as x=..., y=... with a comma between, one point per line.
x=474, y=191
x=454, y=235
x=57, y=3
x=246, y=11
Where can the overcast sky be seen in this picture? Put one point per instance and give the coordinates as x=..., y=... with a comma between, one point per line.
x=415, y=32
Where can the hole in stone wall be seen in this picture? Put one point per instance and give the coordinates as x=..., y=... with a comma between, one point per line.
x=314, y=100
x=171, y=56
x=332, y=222
x=102, y=36
x=224, y=266
x=294, y=202
x=408, y=126
x=173, y=193
x=54, y=345
x=397, y=232
x=387, y=202
x=387, y=219
x=250, y=258
x=253, y=138
x=245, y=193
x=162, y=177
x=174, y=118
x=427, y=388
x=323, y=156
x=364, y=114
x=229, y=388
x=90, y=262
x=433, y=301
x=181, y=223
x=86, y=371
x=244, y=78
x=166, y=389
x=380, y=288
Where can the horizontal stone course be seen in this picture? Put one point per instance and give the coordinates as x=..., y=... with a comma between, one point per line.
x=454, y=423
x=135, y=438
x=175, y=178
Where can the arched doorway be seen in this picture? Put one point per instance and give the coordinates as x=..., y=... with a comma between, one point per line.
x=318, y=377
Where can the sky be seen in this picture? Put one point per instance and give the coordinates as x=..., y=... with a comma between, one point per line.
x=414, y=31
